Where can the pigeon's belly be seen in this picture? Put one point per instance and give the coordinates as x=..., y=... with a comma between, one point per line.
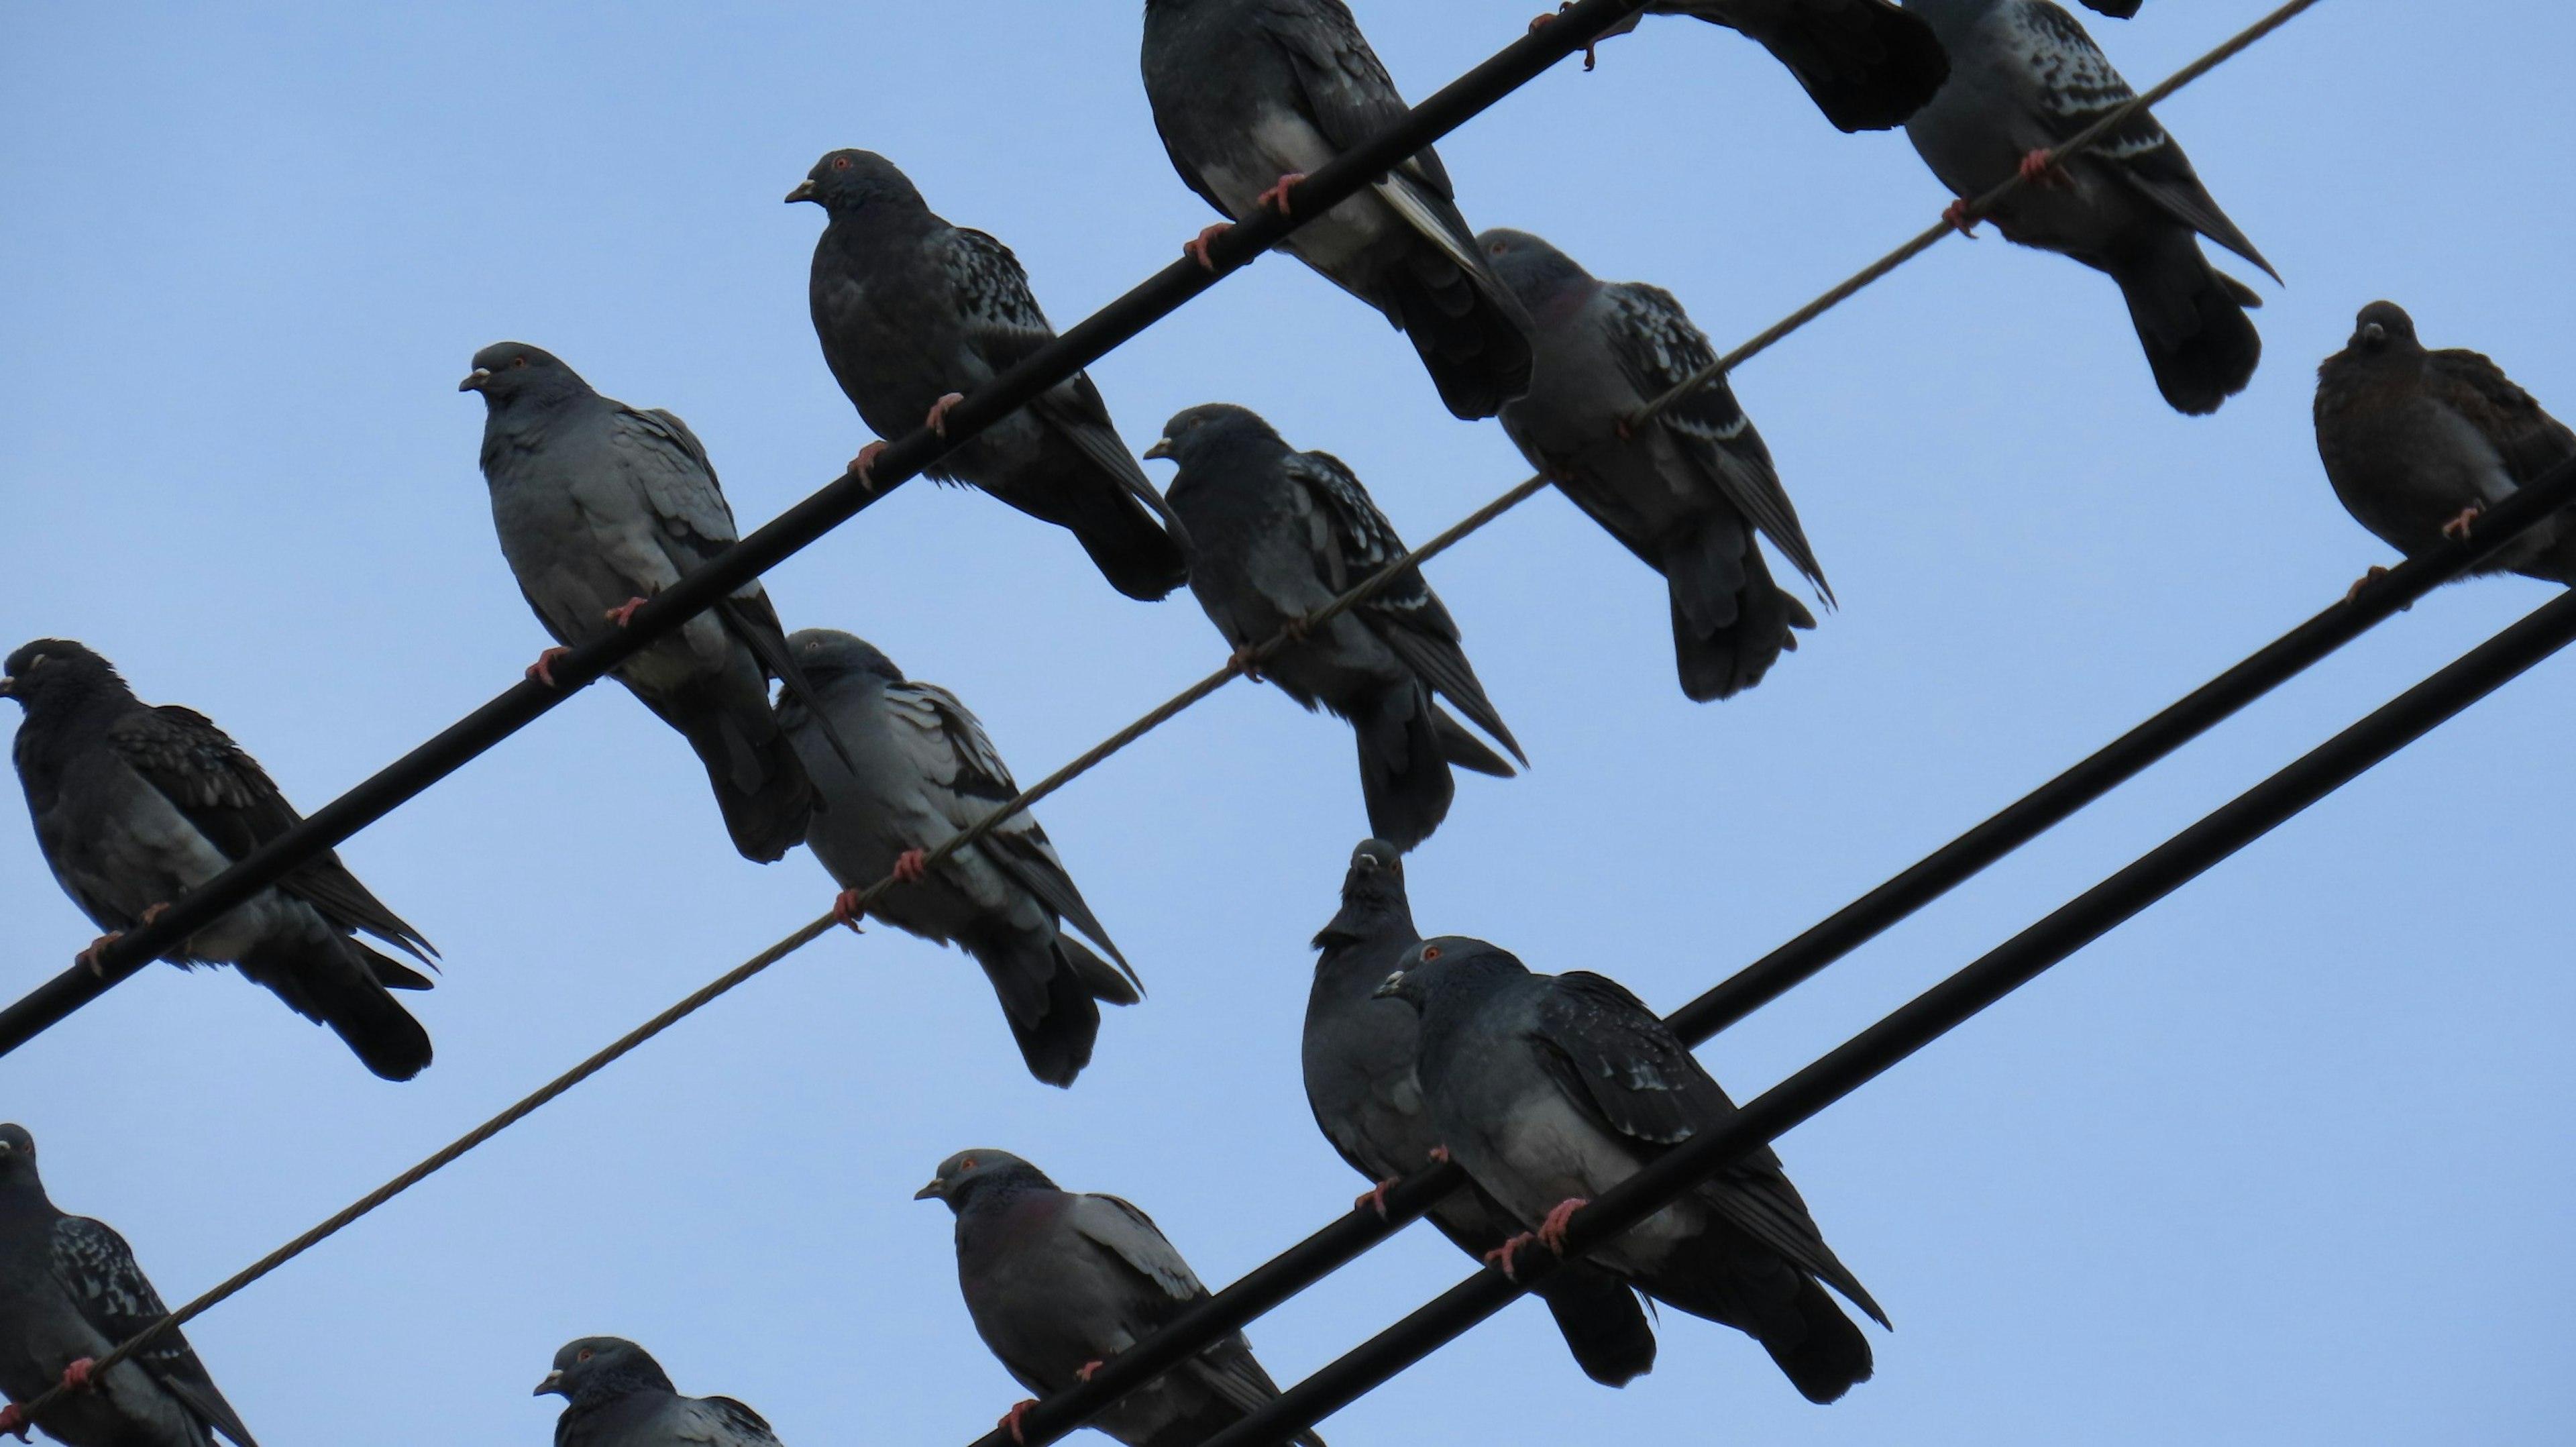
x=2404, y=472
x=1556, y=1153
x=1286, y=144
x=148, y=853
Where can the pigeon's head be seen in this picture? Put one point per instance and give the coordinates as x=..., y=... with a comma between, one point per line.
x=1194, y=431
x=53, y=670
x=846, y=182
x=828, y=653
x=2383, y=326
x=511, y=372
x=17, y=1153
x=1434, y=968
x=1528, y=265
x=1372, y=895
x=970, y=1176
x=602, y=1366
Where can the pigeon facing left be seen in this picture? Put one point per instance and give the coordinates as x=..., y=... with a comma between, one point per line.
x=2024, y=79
x=69, y=1293
x=1866, y=63
x=913, y=313
x=1250, y=95
x=1059, y=1282
x=135, y=806
x=1273, y=535
x=1551, y=1089
x=616, y=1395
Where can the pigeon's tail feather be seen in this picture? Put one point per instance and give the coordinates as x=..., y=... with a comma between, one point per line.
x=1602, y=1322
x=1824, y=1354
x=1050, y=992
x=391, y=973
x=1466, y=750
x=1867, y=66
x=1472, y=336
x=760, y=785
x=1404, y=770
x=1731, y=622
x=1100, y=979
x=330, y=982
x=1127, y=543
x=2191, y=320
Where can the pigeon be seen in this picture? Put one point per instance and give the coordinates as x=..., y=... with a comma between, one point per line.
x=913, y=313
x=599, y=506
x=1687, y=494
x=1249, y=95
x=920, y=772
x=135, y=806
x=1059, y=1282
x=2025, y=78
x=1358, y=1057
x=616, y=1395
x=70, y=1292
x=2116, y=9
x=1866, y=63
x=2418, y=443
x=1551, y=1089
x=1273, y=535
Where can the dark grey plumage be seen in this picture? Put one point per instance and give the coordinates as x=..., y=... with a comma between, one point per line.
x=910, y=309
x=1555, y=1088
x=1246, y=92
x=1057, y=1281
x=135, y=806
x=2419, y=442
x=616, y=1395
x=1686, y=494
x=1273, y=535
x=2116, y=9
x=598, y=503
x=1358, y=1052
x=921, y=772
x=69, y=1292
x=2025, y=77
x=1866, y=63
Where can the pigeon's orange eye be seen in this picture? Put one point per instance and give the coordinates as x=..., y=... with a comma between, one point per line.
x=585, y=1354
x=840, y=163
x=1430, y=953
x=967, y=1164
x=518, y=361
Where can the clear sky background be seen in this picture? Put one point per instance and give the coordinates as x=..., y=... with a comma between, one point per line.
x=2284, y=1160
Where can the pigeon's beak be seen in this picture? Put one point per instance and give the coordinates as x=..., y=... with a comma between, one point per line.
x=8, y=688
x=804, y=191
x=935, y=1191
x=553, y=1384
x=1161, y=451
x=476, y=380
x=1387, y=987
x=2371, y=335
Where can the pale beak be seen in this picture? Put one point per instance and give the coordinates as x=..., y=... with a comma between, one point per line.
x=8, y=686
x=804, y=191
x=1387, y=987
x=936, y=1190
x=2374, y=333
x=1161, y=451
x=552, y=1383
x=475, y=380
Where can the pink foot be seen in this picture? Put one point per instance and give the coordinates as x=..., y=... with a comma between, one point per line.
x=13, y=1422
x=1375, y=1196
x=1440, y=1155
x=90, y=956
x=845, y=909
x=1087, y=1368
x=1241, y=660
x=1196, y=248
x=912, y=866
x=2457, y=529
x=1011, y=1419
x=1501, y=1256
x=1551, y=1232
x=1960, y=217
x=938, y=420
x=2035, y=167
x=624, y=613
x=76, y=1376
x=1276, y=198
x=862, y=464
x=543, y=670
x=1589, y=58
x=2365, y=580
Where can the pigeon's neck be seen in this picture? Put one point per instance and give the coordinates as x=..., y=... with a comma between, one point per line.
x=617, y=1393
x=532, y=413
x=70, y=712
x=1368, y=916
x=881, y=221
x=1221, y=469
x=23, y=1203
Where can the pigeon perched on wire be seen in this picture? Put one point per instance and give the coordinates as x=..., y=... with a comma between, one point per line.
x=1551, y=1089
x=1273, y=535
x=135, y=806
x=1060, y=1282
x=1866, y=63
x=2024, y=78
x=2418, y=443
x=1250, y=95
x=1358, y=1054
x=914, y=313
x=599, y=506
x=69, y=1293
x=616, y=1395
x=920, y=771
x=1686, y=492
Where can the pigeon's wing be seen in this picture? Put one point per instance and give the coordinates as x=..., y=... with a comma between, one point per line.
x=232, y=801
x=1342, y=85
x=95, y=1267
x=718, y=1422
x=1658, y=349
x=669, y=466
x=2530, y=439
x=1004, y=325
x=1131, y=1236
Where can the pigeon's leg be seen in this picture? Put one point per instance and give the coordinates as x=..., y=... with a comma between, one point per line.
x=845, y=908
x=1543, y=21
x=76, y=1376
x=1440, y=1155
x=1196, y=248
x=1375, y=1196
x=1276, y=198
x=1087, y=1368
x=13, y=1422
x=90, y=956
x=543, y=670
x=912, y=866
x=867, y=459
x=2365, y=580
x=1501, y=1256
x=1296, y=630
x=2457, y=529
x=1551, y=1232
x=938, y=419
x=624, y=613
x=1960, y=217
x=1243, y=664
x=1011, y=1419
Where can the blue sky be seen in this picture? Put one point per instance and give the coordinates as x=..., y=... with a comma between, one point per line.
x=2282, y=1160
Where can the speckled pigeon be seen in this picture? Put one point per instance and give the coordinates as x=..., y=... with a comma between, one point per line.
x=599, y=506
x=913, y=313
x=1551, y=1089
x=1689, y=492
x=616, y=1395
x=70, y=1292
x=1866, y=63
x=2024, y=78
x=1273, y=535
x=1059, y=1282
x=2418, y=443
x=135, y=806
x=1250, y=95
x=920, y=772
x=1358, y=1055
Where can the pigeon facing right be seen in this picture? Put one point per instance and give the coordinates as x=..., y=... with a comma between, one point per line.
x=69, y=1292
x=1059, y=1282
x=1273, y=535
x=616, y=1395
x=2417, y=443
x=1687, y=494
x=2024, y=79
x=919, y=772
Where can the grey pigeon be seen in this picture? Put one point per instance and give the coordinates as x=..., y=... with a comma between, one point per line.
x=2024, y=78
x=2116, y=9
x=1252, y=94
x=1358, y=1055
x=920, y=772
x=1866, y=63
x=2418, y=443
x=135, y=806
x=616, y=1395
x=69, y=1292
x=1551, y=1089
x=1273, y=535
x=1687, y=494
x=599, y=506
x=1059, y=1282
x=913, y=313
